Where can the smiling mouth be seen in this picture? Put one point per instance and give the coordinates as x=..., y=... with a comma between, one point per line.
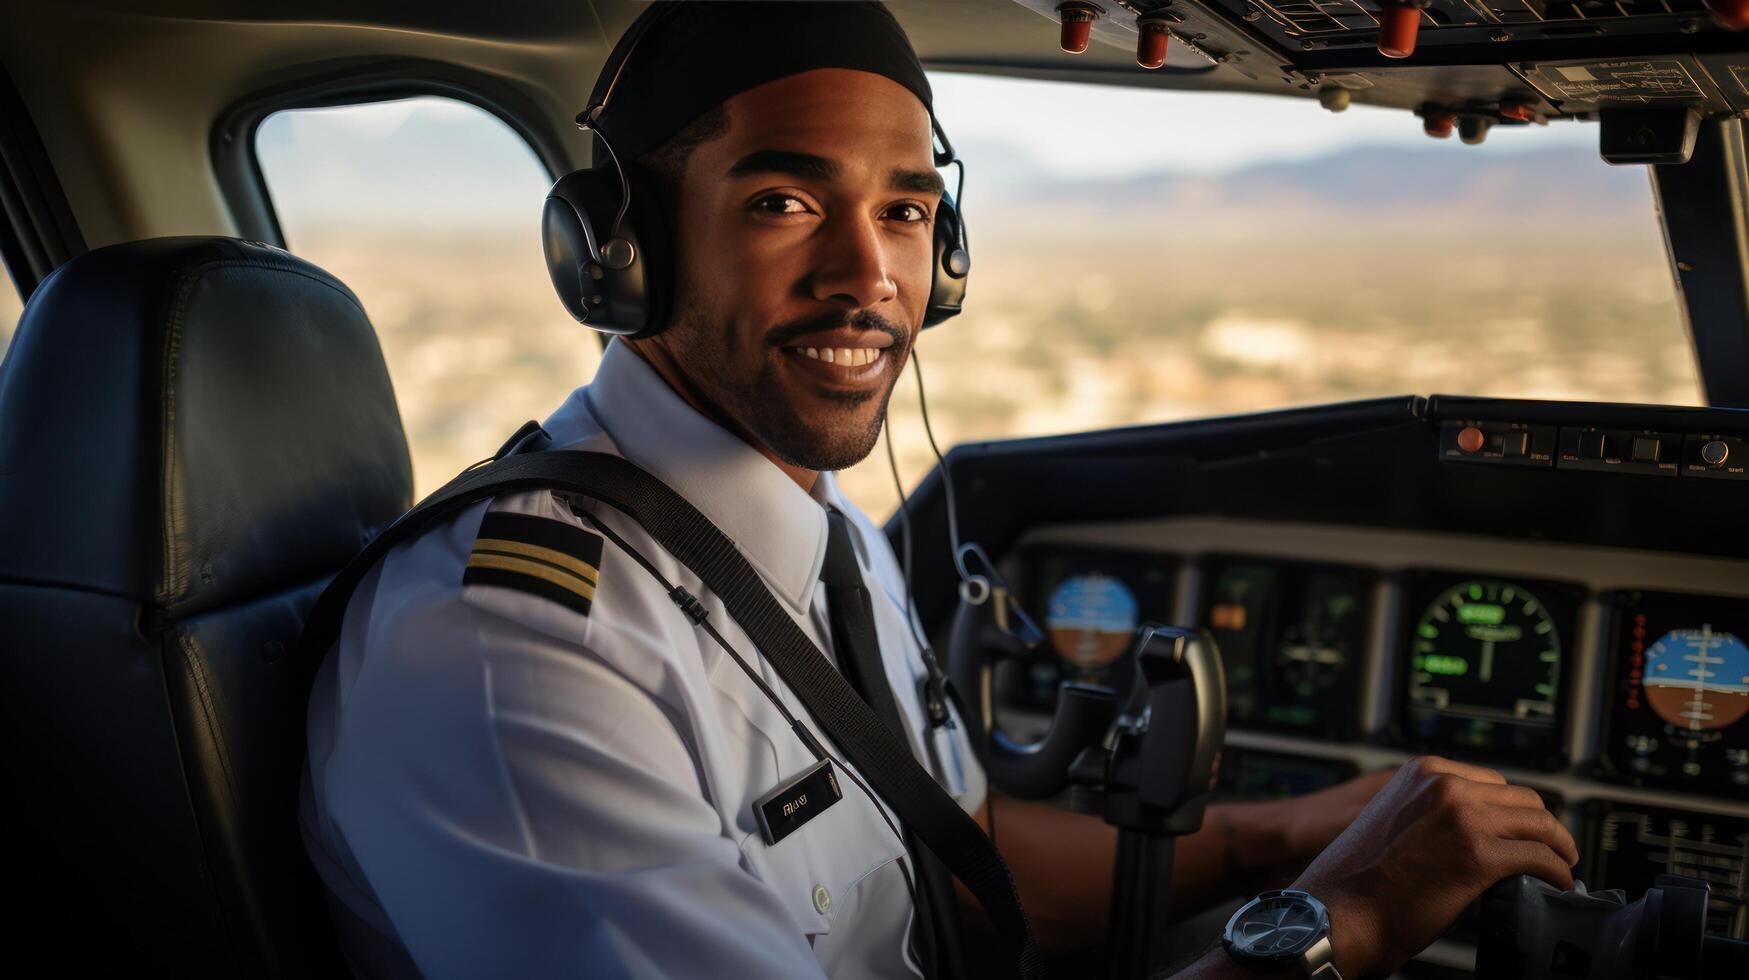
x=841, y=356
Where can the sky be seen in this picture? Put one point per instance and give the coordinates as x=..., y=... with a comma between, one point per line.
x=433, y=161
x=1100, y=130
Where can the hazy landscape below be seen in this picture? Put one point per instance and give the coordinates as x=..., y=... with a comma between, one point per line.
x=1139, y=299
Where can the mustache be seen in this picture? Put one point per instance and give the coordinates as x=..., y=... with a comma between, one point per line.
x=781, y=335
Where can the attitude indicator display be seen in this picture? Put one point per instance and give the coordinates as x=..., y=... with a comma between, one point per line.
x=1680, y=712
x=1486, y=667
x=1091, y=619
x=1089, y=602
x=1292, y=637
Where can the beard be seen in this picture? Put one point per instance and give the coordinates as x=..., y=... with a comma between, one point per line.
x=834, y=439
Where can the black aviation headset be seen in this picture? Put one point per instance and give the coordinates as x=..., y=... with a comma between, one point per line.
x=608, y=239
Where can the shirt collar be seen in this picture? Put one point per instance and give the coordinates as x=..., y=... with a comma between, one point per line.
x=779, y=527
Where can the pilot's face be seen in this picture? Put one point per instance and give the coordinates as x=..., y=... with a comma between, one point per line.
x=804, y=252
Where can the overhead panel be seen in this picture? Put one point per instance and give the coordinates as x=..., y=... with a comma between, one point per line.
x=1464, y=66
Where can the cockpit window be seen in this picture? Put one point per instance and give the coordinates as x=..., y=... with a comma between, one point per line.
x=429, y=209
x=1142, y=256
x=10, y=308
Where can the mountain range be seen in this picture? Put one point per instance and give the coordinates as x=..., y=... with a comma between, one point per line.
x=1445, y=183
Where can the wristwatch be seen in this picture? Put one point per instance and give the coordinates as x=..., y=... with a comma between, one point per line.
x=1282, y=931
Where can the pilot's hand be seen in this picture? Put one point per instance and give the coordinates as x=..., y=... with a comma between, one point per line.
x=1431, y=841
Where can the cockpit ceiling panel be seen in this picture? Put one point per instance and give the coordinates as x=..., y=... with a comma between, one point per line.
x=1513, y=60
x=1307, y=18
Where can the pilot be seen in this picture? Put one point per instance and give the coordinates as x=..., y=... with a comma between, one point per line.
x=526, y=761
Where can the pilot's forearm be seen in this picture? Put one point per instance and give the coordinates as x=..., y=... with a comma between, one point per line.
x=1062, y=863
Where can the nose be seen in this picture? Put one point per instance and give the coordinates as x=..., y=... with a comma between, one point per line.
x=854, y=266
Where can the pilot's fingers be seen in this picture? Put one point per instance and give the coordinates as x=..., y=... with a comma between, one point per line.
x=1537, y=825
x=1522, y=857
x=1506, y=794
x=1433, y=764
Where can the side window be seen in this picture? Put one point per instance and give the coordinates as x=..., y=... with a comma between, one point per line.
x=429, y=209
x=10, y=307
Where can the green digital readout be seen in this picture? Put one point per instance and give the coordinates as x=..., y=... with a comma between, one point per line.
x=1447, y=666
x=1485, y=665
x=1485, y=613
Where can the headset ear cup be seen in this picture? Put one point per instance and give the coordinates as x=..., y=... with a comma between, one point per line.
x=953, y=264
x=649, y=215
x=566, y=242
x=577, y=227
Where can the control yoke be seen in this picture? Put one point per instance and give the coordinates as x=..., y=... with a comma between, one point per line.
x=994, y=628
x=1150, y=777
x=1152, y=781
x=1532, y=930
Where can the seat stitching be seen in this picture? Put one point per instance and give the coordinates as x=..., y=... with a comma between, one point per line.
x=189, y=279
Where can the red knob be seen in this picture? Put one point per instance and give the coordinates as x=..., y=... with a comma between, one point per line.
x=1471, y=439
x=1151, y=46
x=1518, y=111
x=1437, y=124
x=1733, y=14
x=1398, y=25
x=1077, y=27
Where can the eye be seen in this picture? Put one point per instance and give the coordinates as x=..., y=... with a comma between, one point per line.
x=781, y=204
x=908, y=212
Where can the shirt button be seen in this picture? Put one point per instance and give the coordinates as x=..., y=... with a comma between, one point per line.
x=822, y=899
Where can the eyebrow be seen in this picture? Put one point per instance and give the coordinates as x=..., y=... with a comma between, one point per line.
x=811, y=167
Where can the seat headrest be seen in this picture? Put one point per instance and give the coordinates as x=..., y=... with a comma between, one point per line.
x=188, y=421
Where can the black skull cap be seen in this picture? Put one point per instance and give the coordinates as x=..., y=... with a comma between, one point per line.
x=692, y=56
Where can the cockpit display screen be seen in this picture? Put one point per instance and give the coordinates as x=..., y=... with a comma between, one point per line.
x=1628, y=846
x=1486, y=666
x=1292, y=637
x=1679, y=704
x=1089, y=602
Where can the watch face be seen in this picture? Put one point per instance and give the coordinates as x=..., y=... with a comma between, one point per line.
x=1276, y=926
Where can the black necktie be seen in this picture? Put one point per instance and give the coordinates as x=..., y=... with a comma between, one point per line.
x=851, y=613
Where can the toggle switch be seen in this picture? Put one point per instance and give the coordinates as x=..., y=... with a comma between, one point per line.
x=1399, y=24
x=1472, y=130
x=1437, y=124
x=1510, y=443
x=1077, y=26
x=1517, y=112
x=1151, y=45
x=1619, y=451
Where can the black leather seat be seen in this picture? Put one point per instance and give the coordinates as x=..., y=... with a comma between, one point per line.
x=195, y=434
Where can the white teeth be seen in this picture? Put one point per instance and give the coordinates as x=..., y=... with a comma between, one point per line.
x=846, y=356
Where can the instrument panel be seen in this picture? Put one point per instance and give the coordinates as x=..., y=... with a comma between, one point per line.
x=1486, y=666
x=1679, y=702
x=1628, y=847
x=1348, y=650
x=1292, y=636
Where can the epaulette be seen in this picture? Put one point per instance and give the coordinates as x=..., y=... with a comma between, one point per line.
x=538, y=555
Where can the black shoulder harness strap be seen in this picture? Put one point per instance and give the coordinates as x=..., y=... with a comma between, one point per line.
x=921, y=803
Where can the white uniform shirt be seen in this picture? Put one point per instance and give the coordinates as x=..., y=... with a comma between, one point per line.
x=505, y=786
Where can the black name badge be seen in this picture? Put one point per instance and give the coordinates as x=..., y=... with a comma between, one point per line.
x=785, y=809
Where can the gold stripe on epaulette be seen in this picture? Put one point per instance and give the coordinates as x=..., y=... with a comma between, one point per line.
x=522, y=566
x=504, y=546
